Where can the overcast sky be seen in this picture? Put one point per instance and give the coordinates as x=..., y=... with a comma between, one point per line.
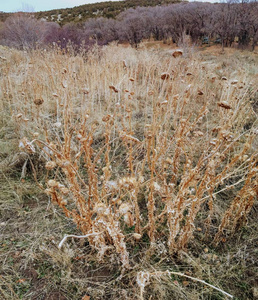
x=38, y=5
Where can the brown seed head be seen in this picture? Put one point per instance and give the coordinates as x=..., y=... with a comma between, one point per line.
x=18, y=116
x=165, y=76
x=234, y=81
x=112, y=87
x=177, y=53
x=85, y=91
x=106, y=118
x=38, y=101
x=224, y=104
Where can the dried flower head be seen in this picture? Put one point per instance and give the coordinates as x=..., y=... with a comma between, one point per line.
x=106, y=118
x=165, y=76
x=177, y=53
x=128, y=182
x=18, y=116
x=156, y=186
x=100, y=208
x=50, y=165
x=128, y=218
x=48, y=191
x=63, y=202
x=52, y=183
x=112, y=87
x=111, y=185
x=35, y=134
x=169, y=161
x=198, y=133
x=213, y=142
x=137, y=236
x=85, y=91
x=163, y=103
x=224, y=104
x=127, y=137
x=57, y=124
x=38, y=101
x=124, y=208
x=235, y=81
x=64, y=190
x=26, y=146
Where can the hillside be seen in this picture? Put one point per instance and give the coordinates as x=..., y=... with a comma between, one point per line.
x=83, y=12
x=103, y=9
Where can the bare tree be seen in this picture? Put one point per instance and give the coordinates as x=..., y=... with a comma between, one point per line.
x=224, y=23
x=70, y=34
x=176, y=21
x=23, y=31
x=254, y=24
x=198, y=19
x=134, y=26
x=52, y=33
x=101, y=30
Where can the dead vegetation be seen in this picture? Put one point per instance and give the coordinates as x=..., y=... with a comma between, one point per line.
x=152, y=157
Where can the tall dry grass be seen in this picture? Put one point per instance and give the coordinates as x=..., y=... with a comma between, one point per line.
x=137, y=145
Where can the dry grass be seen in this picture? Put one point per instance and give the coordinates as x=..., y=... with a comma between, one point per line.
x=153, y=157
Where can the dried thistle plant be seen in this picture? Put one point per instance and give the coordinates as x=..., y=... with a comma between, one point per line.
x=149, y=157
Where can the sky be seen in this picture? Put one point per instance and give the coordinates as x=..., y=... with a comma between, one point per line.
x=38, y=5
